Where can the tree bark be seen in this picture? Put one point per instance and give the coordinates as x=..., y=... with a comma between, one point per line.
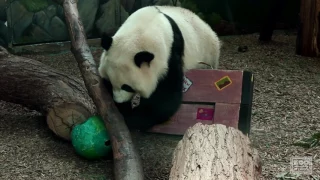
x=127, y=165
x=214, y=152
x=34, y=85
x=308, y=40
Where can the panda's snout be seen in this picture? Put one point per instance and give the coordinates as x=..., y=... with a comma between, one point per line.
x=122, y=96
x=117, y=99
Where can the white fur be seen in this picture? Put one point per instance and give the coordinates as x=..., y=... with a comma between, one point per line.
x=149, y=30
x=201, y=42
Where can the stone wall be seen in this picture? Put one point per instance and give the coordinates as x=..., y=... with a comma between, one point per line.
x=3, y=27
x=39, y=21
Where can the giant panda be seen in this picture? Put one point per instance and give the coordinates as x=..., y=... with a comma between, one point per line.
x=149, y=55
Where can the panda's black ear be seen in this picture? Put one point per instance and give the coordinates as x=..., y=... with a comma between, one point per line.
x=106, y=41
x=142, y=57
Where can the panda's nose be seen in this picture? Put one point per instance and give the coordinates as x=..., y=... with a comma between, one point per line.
x=117, y=99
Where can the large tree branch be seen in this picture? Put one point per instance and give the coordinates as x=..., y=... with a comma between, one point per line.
x=127, y=164
x=34, y=85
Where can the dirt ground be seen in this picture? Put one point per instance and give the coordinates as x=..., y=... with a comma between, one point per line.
x=286, y=108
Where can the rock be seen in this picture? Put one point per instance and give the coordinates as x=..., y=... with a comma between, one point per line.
x=3, y=34
x=103, y=2
x=136, y=5
x=3, y=43
x=51, y=11
x=3, y=29
x=167, y=2
x=143, y=3
x=20, y=26
x=60, y=12
x=51, y=25
x=40, y=18
x=3, y=14
x=39, y=34
x=110, y=19
x=16, y=7
x=58, y=30
x=127, y=4
x=20, y=21
x=3, y=3
x=87, y=12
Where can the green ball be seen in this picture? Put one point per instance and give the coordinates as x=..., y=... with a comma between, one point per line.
x=91, y=139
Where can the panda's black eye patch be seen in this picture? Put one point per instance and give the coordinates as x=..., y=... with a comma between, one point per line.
x=142, y=57
x=127, y=88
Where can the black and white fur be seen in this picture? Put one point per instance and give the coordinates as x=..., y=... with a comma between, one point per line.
x=149, y=54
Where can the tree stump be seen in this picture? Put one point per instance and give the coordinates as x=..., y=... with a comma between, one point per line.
x=210, y=152
x=63, y=99
x=308, y=39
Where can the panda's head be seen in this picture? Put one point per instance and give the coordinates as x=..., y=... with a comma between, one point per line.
x=133, y=64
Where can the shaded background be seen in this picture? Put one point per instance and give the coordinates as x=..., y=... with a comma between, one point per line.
x=39, y=21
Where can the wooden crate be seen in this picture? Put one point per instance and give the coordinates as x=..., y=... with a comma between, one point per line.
x=213, y=96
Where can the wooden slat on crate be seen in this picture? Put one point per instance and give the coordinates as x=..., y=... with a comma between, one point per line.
x=213, y=96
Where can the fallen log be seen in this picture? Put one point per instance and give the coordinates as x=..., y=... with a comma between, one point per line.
x=215, y=152
x=63, y=99
x=127, y=165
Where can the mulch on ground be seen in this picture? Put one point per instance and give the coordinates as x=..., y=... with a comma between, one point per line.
x=286, y=108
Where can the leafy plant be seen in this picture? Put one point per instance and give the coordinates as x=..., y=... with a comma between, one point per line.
x=313, y=141
x=287, y=175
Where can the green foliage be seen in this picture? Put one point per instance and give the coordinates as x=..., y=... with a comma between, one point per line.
x=313, y=141
x=35, y=5
x=287, y=175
